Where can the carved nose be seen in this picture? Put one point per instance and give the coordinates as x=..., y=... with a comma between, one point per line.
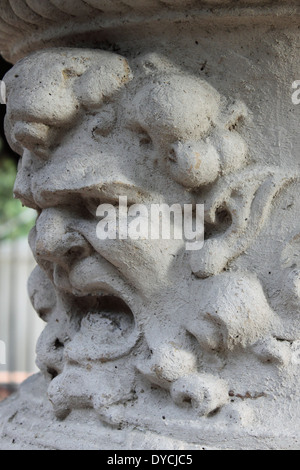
x=56, y=241
x=33, y=136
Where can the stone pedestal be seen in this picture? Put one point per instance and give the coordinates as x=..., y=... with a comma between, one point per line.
x=157, y=343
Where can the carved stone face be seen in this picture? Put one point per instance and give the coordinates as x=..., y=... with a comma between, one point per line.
x=93, y=130
x=93, y=133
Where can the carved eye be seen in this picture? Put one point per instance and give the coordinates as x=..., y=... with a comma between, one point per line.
x=104, y=122
x=235, y=116
x=145, y=139
x=92, y=205
x=223, y=217
x=234, y=126
x=173, y=156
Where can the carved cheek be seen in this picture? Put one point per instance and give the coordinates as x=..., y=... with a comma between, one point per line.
x=194, y=164
x=232, y=149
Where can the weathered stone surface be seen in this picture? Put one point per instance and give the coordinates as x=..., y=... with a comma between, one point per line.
x=28, y=25
x=148, y=344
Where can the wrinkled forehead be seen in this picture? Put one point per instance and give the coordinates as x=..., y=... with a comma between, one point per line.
x=50, y=86
x=53, y=86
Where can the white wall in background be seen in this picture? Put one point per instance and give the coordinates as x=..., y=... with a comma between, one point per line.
x=20, y=326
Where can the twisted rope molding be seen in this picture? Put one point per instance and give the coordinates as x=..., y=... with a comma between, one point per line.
x=27, y=25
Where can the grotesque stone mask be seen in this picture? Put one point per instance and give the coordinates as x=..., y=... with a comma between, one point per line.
x=142, y=325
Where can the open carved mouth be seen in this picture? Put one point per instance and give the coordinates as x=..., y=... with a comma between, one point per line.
x=110, y=311
x=107, y=329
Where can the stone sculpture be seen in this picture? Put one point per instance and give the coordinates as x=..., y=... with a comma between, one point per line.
x=144, y=338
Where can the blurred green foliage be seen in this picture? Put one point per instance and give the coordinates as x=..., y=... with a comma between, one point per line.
x=15, y=221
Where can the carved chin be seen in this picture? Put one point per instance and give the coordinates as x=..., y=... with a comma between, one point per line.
x=106, y=335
